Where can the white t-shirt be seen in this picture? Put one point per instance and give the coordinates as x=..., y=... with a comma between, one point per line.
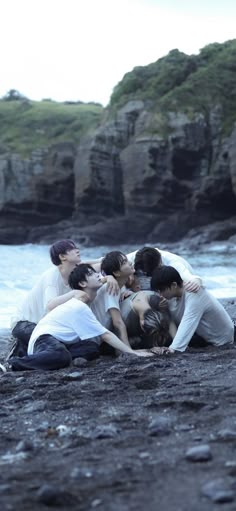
x=179, y=263
x=101, y=305
x=67, y=322
x=201, y=313
x=34, y=306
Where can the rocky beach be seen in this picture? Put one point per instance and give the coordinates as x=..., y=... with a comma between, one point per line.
x=122, y=433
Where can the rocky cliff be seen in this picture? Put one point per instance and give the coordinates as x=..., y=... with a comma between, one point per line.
x=159, y=166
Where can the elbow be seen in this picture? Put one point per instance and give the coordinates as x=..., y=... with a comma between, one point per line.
x=49, y=307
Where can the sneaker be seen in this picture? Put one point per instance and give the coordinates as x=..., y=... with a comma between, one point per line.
x=3, y=369
x=15, y=350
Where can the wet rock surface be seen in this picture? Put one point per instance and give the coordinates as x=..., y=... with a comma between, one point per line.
x=113, y=434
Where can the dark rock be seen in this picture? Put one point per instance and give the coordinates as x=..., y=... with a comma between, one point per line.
x=105, y=431
x=54, y=496
x=218, y=491
x=122, y=185
x=25, y=446
x=160, y=426
x=226, y=435
x=80, y=362
x=199, y=453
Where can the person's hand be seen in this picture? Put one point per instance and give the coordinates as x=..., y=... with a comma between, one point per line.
x=125, y=294
x=112, y=285
x=81, y=295
x=192, y=286
x=160, y=350
x=143, y=353
x=163, y=304
x=170, y=350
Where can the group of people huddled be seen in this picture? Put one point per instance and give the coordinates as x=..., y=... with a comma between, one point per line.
x=145, y=303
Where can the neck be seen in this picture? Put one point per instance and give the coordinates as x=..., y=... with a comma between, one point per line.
x=65, y=269
x=121, y=281
x=91, y=292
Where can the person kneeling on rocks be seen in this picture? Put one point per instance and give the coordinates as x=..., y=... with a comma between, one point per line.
x=198, y=312
x=51, y=290
x=70, y=330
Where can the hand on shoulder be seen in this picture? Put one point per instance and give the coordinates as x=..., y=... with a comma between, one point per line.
x=81, y=295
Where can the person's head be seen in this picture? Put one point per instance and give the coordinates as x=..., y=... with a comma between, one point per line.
x=64, y=250
x=146, y=260
x=155, y=326
x=116, y=263
x=84, y=277
x=166, y=280
x=153, y=322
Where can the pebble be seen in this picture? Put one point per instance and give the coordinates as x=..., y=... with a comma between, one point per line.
x=63, y=430
x=160, y=426
x=48, y=495
x=106, y=431
x=76, y=375
x=25, y=446
x=199, y=453
x=80, y=362
x=226, y=435
x=218, y=491
x=54, y=496
x=78, y=473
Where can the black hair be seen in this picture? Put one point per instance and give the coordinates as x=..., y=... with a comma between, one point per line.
x=79, y=274
x=164, y=277
x=146, y=260
x=60, y=247
x=112, y=262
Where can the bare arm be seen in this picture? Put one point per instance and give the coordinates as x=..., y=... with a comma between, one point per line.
x=193, y=285
x=95, y=263
x=119, y=325
x=172, y=329
x=58, y=300
x=112, y=284
x=113, y=340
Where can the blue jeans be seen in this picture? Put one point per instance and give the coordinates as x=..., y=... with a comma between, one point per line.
x=50, y=353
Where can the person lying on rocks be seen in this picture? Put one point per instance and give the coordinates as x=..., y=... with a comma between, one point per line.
x=198, y=312
x=70, y=330
x=112, y=312
x=51, y=290
x=148, y=323
x=146, y=259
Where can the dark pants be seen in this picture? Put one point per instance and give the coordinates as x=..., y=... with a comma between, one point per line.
x=22, y=332
x=50, y=353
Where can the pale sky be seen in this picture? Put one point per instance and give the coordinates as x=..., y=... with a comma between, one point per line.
x=80, y=49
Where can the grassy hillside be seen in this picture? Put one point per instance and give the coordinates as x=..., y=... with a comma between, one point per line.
x=27, y=125
x=180, y=82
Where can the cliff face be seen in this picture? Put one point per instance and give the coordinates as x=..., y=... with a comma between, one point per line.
x=176, y=182
x=161, y=164
x=123, y=183
x=35, y=191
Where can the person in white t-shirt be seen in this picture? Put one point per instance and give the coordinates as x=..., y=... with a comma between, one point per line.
x=107, y=307
x=51, y=290
x=70, y=330
x=146, y=259
x=198, y=312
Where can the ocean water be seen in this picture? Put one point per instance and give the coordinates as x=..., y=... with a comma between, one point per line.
x=22, y=265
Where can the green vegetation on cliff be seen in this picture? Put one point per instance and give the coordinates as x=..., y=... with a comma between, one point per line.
x=179, y=82
x=28, y=125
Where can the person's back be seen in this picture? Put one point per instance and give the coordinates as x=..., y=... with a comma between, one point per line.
x=204, y=314
x=198, y=312
x=34, y=306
